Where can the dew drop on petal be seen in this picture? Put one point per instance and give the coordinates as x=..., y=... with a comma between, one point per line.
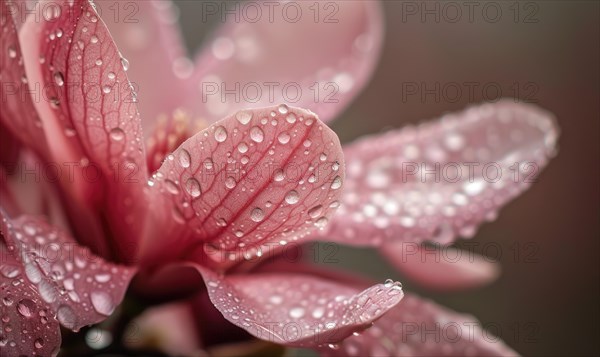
x=297, y=312
x=59, y=79
x=315, y=211
x=257, y=214
x=283, y=109
x=117, y=134
x=220, y=134
x=321, y=222
x=125, y=64
x=243, y=117
x=256, y=134
x=230, y=182
x=292, y=197
x=184, y=158
x=102, y=302
x=336, y=183
x=283, y=138
x=192, y=186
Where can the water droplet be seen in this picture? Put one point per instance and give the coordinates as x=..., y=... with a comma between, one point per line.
x=9, y=271
x=59, y=79
x=12, y=52
x=292, y=197
x=278, y=175
x=106, y=89
x=336, y=183
x=315, y=211
x=275, y=299
x=256, y=134
x=454, y=141
x=117, y=134
x=220, y=134
x=102, y=302
x=111, y=75
x=243, y=117
x=39, y=343
x=323, y=157
x=102, y=278
x=172, y=187
x=66, y=316
x=291, y=118
x=297, y=312
x=26, y=307
x=239, y=234
x=283, y=138
x=125, y=63
x=257, y=214
x=192, y=186
x=230, y=182
x=321, y=222
x=283, y=109
x=184, y=158
x=243, y=147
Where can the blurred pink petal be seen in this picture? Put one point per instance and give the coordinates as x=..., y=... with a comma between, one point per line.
x=442, y=268
x=147, y=34
x=297, y=309
x=18, y=112
x=249, y=183
x=418, y=327
x=313, y=55
x=23, y=309
x=170, y=328
x=393, y=194
x=79, y=287
x=89, y=112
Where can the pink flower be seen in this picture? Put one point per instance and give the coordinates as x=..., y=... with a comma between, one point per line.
x=228, y=201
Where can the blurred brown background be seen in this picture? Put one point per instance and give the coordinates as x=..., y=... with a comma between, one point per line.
x=546, y=52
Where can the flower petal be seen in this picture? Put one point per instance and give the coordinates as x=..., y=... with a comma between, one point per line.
x=296, y=309
x=147, y=34
x=18, y=112
x=81, y=288
x=22, y=309
x=313, y=55
x=443, y=178
x=441, y=268
x=253, y=181
x=88, y=112
x=418, y=327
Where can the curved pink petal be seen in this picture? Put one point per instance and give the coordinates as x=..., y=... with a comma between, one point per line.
x=314, y=55
x=441, y=268
x=147, y=34
x=443, y=178
x=247, y=184
x=28, y=324
x=18, y=112
x=89, y=114
x=80, y=287
x=418, y=327
x=296, y=309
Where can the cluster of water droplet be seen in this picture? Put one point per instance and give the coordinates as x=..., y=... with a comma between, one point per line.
x=406, y=183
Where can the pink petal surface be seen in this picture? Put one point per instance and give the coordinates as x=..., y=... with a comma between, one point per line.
x=80, y=288
x=441, y=268
x=89, y=113
x=319, y=60
x=28, y=327
x=18, y=112
x=296, y=309
x=147, y=33
x=249, y=183
x=391, y=193
x=418, y=327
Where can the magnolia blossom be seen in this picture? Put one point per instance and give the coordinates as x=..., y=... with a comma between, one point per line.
x=161, y=184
